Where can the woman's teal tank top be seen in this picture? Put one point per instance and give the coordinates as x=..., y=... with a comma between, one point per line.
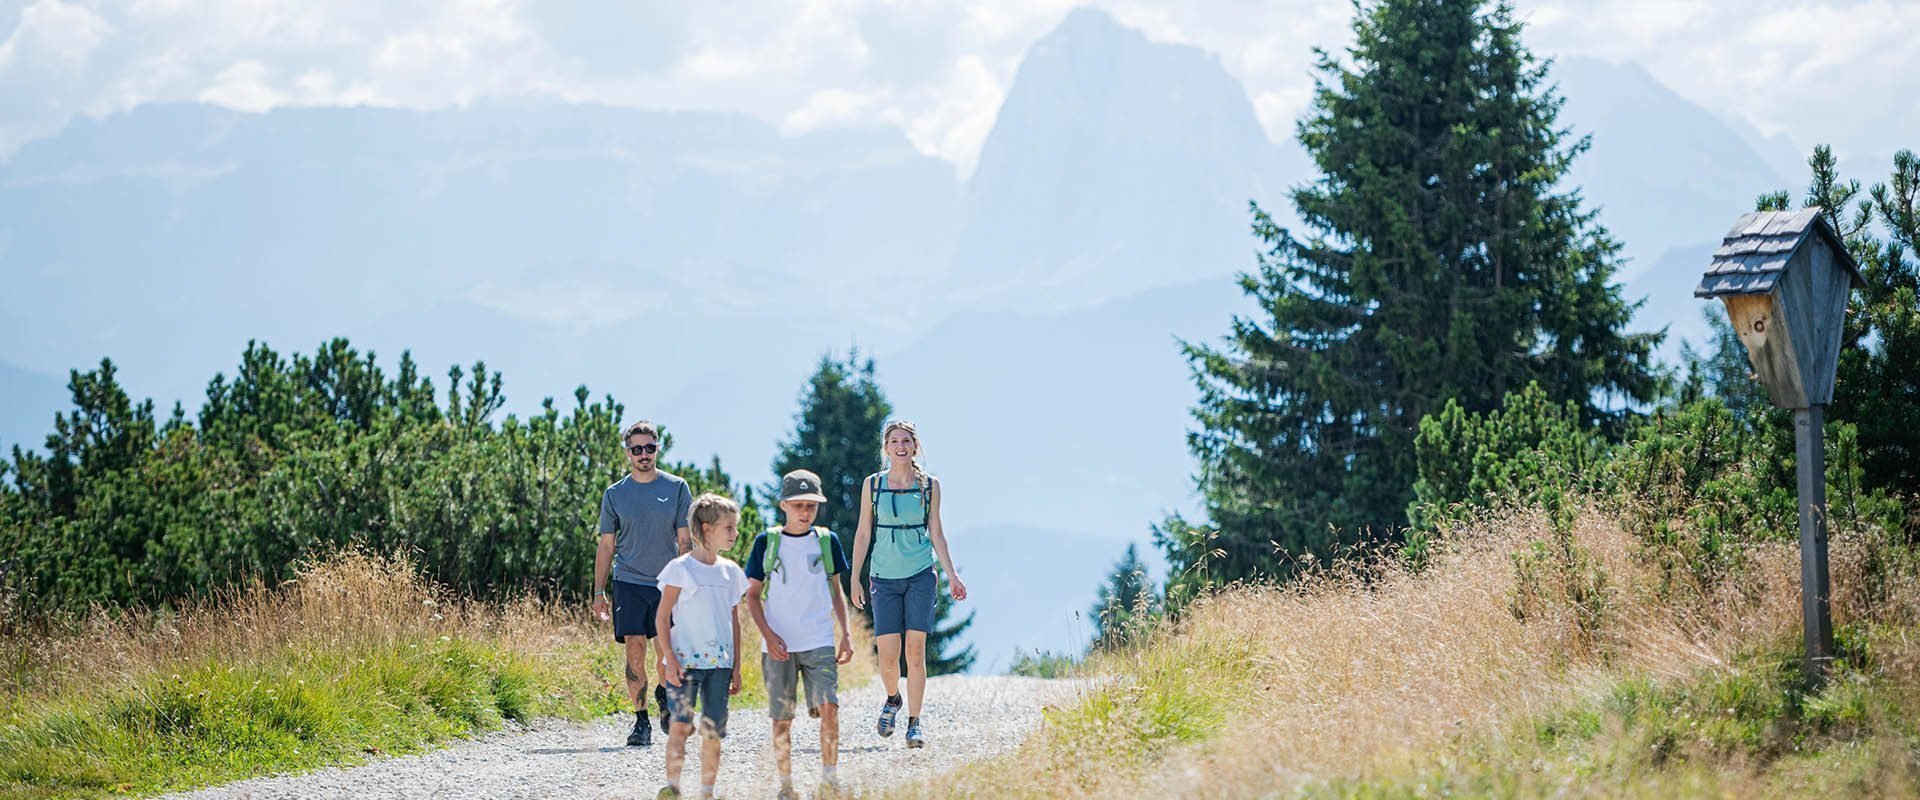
x=902, y=546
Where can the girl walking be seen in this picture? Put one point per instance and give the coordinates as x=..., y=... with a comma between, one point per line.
x=900, y=530
x=699, y=641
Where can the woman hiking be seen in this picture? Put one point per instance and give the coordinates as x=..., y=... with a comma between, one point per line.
x=900, y=530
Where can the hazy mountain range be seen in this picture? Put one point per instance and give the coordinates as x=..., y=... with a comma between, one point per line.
x=696, y=266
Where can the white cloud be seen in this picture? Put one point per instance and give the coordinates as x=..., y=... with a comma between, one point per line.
x=1836, y=72
x=243, y=86
x=55, y=34
x=956, y=125
x=826, y=108
x=1833, y=71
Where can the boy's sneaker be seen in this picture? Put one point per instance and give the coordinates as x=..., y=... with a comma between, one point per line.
x=787, y=793
x=888, y=713
x=642, y=734
x=916, y=738
x=668, y=793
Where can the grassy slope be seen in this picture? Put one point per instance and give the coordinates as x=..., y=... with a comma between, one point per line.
x=1748, y=729
x=356, y=659
x=1388, y=684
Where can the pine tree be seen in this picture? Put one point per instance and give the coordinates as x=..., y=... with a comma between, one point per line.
x=1877, y=384
x=943, y=658
x=1441, y=260
x=300, y=455
x=1126, y=602
x=1723, y=371
x=837, y=435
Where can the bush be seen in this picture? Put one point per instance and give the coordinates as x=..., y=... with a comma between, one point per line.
x=293, y=458
x=1528, y=453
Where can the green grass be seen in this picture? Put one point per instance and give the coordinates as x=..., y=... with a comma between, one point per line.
x=1751, y=729
x=1171, y=693
x=301, y=708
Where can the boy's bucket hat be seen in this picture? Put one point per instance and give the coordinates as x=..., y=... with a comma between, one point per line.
x=801, y=484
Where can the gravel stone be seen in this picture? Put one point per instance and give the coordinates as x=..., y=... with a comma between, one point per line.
x=966, y=718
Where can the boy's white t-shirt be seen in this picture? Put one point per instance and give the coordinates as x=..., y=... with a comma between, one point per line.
x=702, y=616
x=799, y=604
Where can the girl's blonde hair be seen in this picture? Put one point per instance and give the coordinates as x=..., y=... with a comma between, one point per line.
x=902, y=425
x=707, y=509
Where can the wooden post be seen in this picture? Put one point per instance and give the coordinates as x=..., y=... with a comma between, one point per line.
x=1815, y=592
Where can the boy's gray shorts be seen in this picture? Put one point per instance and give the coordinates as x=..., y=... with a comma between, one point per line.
x=816, y=667
x=707, y=689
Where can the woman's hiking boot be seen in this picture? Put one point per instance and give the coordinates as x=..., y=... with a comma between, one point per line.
x=888, y=713
x=916, y=738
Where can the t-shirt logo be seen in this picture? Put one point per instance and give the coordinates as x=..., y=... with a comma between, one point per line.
x=813, y=564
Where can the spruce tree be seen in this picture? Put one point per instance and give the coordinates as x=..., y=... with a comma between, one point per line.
x=1126, y=602
x=837, y=435
x=1441, y=259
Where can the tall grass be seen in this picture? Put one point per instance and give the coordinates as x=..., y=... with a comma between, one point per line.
x=357, y=656
x=1365, y=667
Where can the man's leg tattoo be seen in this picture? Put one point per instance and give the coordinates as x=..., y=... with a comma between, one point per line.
x=637, y=687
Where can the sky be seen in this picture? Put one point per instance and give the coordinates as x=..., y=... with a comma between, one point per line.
x=1840, y=72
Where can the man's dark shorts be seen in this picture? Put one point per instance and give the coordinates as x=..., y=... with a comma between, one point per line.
x=707, y=689
x=902, y=605
x=633, y=608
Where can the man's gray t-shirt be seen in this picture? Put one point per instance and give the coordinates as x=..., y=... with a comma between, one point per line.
x=645, y=518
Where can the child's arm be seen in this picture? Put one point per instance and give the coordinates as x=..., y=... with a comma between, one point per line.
x=843, y=652
x=663, y=641
x=776, y=646
x=955, y=586
x=734, y=686
x=862, y=536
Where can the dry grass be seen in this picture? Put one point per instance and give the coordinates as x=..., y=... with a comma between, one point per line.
x=356, y=656
x=349, y=598
x=1372, y=669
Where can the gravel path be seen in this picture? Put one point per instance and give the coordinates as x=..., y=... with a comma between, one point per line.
x=966, y=718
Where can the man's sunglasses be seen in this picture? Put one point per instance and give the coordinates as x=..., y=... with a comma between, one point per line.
x=644, y=449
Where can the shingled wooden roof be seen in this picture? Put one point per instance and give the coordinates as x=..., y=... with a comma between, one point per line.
x=1755, y=253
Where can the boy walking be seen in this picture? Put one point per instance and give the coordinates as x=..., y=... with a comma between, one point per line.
x=796, y=603
x=643, y=525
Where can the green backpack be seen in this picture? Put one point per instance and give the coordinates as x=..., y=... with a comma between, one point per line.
x=770, y=556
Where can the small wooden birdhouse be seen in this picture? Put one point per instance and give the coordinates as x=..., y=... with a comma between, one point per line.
x=1784, y=276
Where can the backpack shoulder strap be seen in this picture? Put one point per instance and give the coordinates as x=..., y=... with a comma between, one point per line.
x=770, y=554
x=926, y=498
x=825, y=538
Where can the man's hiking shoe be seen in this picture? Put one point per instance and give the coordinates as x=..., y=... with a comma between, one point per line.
x=642, y=734
x=916, y=738
x=888, y=713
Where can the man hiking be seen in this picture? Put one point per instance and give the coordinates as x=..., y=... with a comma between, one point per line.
x=643, y=525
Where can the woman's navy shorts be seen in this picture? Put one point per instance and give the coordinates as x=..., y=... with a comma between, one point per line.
x=903, y=604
